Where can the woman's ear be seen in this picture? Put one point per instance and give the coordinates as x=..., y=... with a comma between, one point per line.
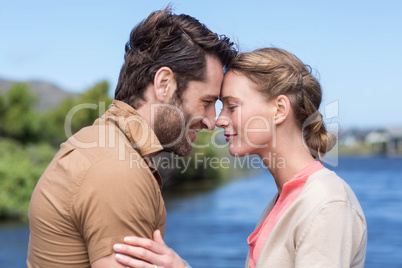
x=283, y=108
x=164, y=84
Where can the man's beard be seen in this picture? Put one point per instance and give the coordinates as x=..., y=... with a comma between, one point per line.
x=171, y=128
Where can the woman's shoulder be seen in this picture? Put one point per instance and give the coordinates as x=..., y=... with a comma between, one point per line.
x=325, y=186
x=328, y=182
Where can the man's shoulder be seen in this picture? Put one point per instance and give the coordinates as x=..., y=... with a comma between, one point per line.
x=98, y=143
x=86, y=158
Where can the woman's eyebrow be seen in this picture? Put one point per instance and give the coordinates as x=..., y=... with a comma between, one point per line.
x=226, y=98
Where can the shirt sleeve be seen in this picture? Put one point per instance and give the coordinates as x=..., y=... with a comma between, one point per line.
x=335, y=237
x=114, y=201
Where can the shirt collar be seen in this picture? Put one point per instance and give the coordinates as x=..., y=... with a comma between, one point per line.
x=134, y=127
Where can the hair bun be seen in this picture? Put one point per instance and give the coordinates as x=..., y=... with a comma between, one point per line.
x=318, y=140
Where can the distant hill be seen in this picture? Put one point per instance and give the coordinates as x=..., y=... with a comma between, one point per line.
x=49, y=95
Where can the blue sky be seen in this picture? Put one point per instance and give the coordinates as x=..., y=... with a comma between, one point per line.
x=356, y=46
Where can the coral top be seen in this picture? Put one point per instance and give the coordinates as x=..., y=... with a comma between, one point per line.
x=290, y=192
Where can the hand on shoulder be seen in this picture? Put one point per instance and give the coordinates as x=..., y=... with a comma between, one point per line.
x=145, y=253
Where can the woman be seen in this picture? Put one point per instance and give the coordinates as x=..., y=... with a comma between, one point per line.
x=270, y=108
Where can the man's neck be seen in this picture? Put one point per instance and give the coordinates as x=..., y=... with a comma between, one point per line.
x=145, y=112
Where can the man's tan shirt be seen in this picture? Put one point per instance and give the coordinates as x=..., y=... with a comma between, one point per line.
x=98, y=188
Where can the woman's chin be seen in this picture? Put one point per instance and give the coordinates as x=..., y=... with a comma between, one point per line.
x=237, y=152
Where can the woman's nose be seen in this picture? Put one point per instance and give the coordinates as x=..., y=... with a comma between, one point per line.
x=222, y=121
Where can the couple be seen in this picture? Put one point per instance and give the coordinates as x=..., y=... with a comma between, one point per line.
x=102, y=185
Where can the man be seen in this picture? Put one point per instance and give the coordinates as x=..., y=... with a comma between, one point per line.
x=101, y=185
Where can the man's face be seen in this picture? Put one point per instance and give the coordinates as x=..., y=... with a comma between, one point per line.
x=178, y=123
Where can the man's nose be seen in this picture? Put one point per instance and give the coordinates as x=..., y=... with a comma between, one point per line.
x=208, y=123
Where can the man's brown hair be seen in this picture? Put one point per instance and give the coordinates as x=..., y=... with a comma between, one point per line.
x=179, y=42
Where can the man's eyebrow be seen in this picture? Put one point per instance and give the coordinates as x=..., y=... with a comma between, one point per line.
x=210, y=96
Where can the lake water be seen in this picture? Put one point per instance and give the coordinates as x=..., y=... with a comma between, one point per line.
x=210, y=229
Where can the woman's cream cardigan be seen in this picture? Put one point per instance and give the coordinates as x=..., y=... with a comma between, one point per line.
x=324, y=227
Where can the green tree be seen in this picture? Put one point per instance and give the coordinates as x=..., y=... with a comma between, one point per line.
x=80, y=112
x=20, y=168
x=94, y=103
x=18, y=119
x=26, y=139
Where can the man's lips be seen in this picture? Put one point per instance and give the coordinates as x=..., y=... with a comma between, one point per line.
x=192, y=133
x=194, y=130
x=230, y=136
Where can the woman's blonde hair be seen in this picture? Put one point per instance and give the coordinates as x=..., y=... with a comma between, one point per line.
x=278, y=72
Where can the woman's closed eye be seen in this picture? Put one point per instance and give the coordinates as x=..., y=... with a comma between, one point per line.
x=232, y=107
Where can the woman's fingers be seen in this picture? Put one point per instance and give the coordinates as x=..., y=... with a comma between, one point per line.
x=140, y=253
x=143, y=253
x=158, y=238
x=133, y=263
x=145, y=243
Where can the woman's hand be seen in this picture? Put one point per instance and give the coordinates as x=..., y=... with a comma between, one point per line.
x=145, y=253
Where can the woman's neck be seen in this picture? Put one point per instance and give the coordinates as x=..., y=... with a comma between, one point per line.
x=286, y=159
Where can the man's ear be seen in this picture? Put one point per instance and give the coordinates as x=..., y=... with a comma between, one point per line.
x=282, y=108
x=164, y=84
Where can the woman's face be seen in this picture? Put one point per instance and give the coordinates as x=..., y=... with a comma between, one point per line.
x=246, y=116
